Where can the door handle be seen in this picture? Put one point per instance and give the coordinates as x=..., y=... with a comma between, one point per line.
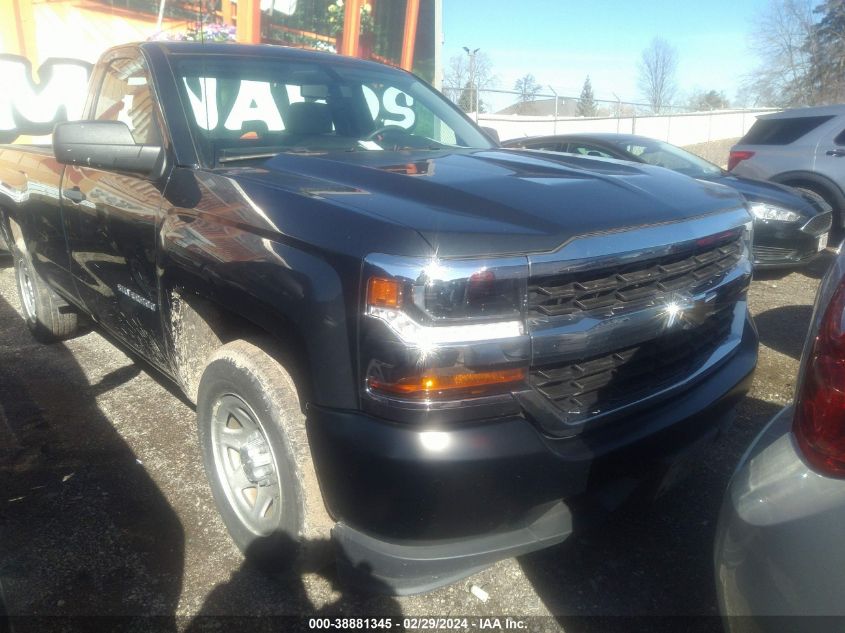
x=74, y=195
x=836, y=152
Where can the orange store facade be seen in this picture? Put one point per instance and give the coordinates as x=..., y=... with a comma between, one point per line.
x=47, y=47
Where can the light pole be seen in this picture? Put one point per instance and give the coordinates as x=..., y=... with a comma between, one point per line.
x=618, y=111
x=473, y=87
x=556, y=100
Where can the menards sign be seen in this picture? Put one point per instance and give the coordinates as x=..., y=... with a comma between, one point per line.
x=34, y=109
x=47, y=48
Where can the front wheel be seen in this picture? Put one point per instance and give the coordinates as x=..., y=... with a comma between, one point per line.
x=46, y=314
x=257, y=457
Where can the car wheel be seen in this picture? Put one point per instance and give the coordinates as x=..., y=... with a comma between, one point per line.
x=257, y=458
x=47, y=315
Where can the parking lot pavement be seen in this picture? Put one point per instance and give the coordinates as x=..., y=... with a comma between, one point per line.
x=106, y=510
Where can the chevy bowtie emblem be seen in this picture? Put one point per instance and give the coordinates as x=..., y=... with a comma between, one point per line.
x=686, y=311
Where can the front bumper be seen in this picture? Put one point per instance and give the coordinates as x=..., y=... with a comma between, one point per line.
x=778, y=548
x=779, y=244
x=419, y=507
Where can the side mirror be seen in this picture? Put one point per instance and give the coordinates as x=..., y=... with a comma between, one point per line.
x=103, y=145
x=492, y=133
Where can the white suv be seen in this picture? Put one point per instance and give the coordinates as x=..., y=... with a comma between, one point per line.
x=803, y=148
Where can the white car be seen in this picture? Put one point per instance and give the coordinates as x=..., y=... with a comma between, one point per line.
x=779, y=542
x=803, y=148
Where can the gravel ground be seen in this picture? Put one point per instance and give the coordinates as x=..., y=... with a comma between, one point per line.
x=105, y=509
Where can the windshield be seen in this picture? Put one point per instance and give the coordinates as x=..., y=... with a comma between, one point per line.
x=249, y=108
x=671, y=157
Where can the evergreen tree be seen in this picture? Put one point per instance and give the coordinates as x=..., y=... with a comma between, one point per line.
x=709, y=100
x=587, y=103
x=467, y=99
x=802, y=50
x=826, y=46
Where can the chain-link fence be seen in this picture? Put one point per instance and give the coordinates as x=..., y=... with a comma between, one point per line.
x=493, y=101
x=514, y=116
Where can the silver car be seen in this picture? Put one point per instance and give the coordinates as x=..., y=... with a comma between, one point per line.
x=803, y=148
x=779, y=548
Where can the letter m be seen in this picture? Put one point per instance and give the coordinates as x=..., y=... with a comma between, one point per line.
x=30, y=108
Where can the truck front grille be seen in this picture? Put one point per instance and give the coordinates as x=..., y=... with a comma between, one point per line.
x=647, y=317
x=586, y=387
x=610, y=290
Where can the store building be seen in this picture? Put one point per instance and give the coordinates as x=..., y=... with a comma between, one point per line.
x=47, y=46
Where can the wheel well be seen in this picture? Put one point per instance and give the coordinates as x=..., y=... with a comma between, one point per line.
x=827, y=191
x=199, y=327
x=11, y=232
x=5, y=233
x=819, y=188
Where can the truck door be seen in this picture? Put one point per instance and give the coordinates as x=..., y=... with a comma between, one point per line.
x=830, y=154
x=31, y=177
x=112, y=218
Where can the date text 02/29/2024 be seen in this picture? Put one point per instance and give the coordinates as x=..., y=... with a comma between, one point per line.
x=420, y=624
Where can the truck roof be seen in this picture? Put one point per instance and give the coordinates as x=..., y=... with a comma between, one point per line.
x=270, y=51
x=829, y=110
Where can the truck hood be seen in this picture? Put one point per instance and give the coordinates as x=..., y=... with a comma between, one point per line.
x=495, y=202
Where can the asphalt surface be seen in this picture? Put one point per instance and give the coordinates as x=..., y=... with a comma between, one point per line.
x=105, y=509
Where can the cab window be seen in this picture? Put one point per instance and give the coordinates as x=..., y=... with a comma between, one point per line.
x=585, y=149
x=125, y=95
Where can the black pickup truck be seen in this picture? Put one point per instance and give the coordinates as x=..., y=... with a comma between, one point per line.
x=440, y=351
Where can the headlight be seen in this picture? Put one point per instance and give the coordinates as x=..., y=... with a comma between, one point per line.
x=443, y=330
x=449, y=292
x=764, y=211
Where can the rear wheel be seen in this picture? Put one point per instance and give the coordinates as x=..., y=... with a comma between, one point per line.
x=47, y=315
x=257, y=458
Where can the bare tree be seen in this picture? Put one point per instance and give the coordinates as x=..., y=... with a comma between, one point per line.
x=527, y=87
x=784, y=39
x=802, y=52
x=465, y=76
x=657, y=69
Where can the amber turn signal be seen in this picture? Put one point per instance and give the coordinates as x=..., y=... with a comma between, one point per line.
x=384, y=293
x=450, y=385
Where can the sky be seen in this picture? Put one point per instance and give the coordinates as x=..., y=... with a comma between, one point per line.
x=560, y=42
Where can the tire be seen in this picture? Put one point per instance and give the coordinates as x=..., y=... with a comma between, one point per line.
x=258, y=460
x=47, y=315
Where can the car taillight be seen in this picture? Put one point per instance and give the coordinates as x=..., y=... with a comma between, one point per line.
x=737, y=156
x=819, y=424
